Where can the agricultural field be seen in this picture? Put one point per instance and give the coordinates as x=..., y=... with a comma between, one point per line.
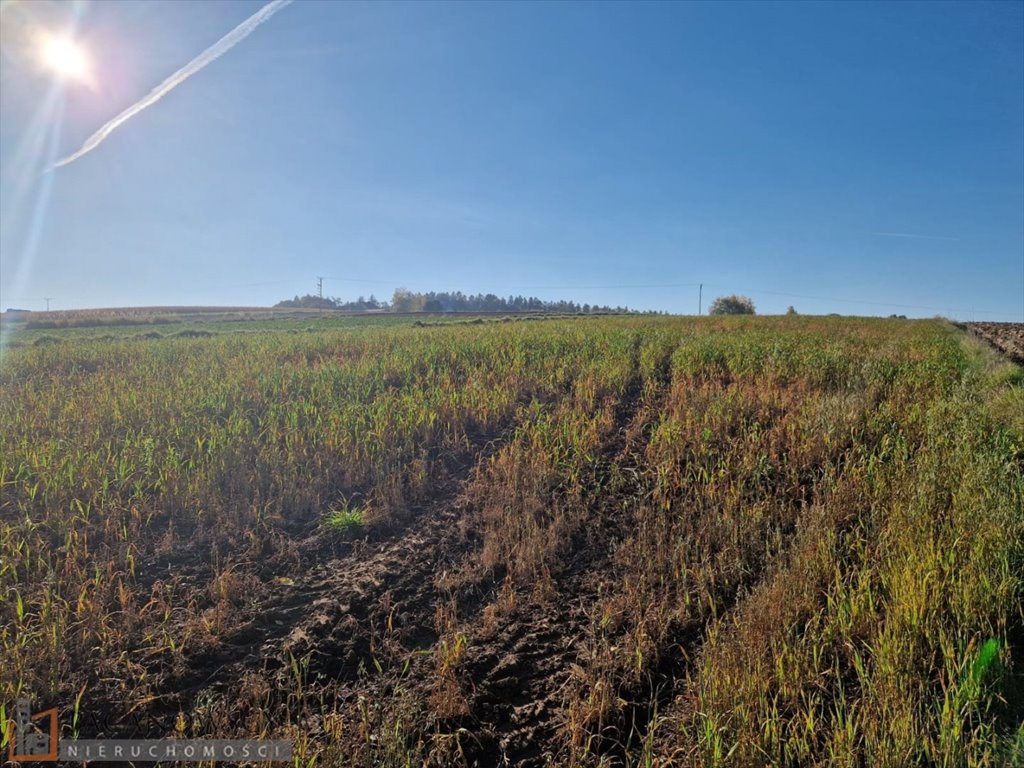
x=598, y=541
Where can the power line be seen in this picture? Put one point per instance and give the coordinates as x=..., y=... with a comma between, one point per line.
x=656, y=286
x=853, y=301
x=354, y=280
x=700, y=287
x=599, y=287
x=626, y=286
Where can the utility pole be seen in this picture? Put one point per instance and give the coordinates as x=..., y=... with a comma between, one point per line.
x=320, y=290
x=700, y=300
x=47, y=299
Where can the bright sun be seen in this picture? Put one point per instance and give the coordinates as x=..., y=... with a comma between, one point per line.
x=65, y=58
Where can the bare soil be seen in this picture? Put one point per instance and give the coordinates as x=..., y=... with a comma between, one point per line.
x=1008, y=338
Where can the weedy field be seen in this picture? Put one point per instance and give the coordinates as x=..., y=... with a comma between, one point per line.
x=598, y=541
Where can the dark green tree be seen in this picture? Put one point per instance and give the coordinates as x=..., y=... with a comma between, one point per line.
x=732, y=305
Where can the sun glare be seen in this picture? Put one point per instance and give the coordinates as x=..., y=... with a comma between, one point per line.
x=65, y=58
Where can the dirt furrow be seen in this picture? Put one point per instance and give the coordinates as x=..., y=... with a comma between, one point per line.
x=520, y=673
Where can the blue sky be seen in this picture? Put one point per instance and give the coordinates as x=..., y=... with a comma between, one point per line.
x=606, y=153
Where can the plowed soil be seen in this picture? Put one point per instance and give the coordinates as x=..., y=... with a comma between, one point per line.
x=1008, y=338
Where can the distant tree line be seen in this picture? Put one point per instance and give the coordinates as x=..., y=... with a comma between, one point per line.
x=408, y=301
x=405, y=300
x=309, y=301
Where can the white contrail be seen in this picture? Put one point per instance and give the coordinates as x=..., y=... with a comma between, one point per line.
x=215, y=51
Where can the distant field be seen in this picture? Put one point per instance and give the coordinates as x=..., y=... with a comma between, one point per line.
x=148, y=323
x=572, y=541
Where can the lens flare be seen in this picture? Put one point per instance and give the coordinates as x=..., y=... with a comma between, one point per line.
x=65, y=58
